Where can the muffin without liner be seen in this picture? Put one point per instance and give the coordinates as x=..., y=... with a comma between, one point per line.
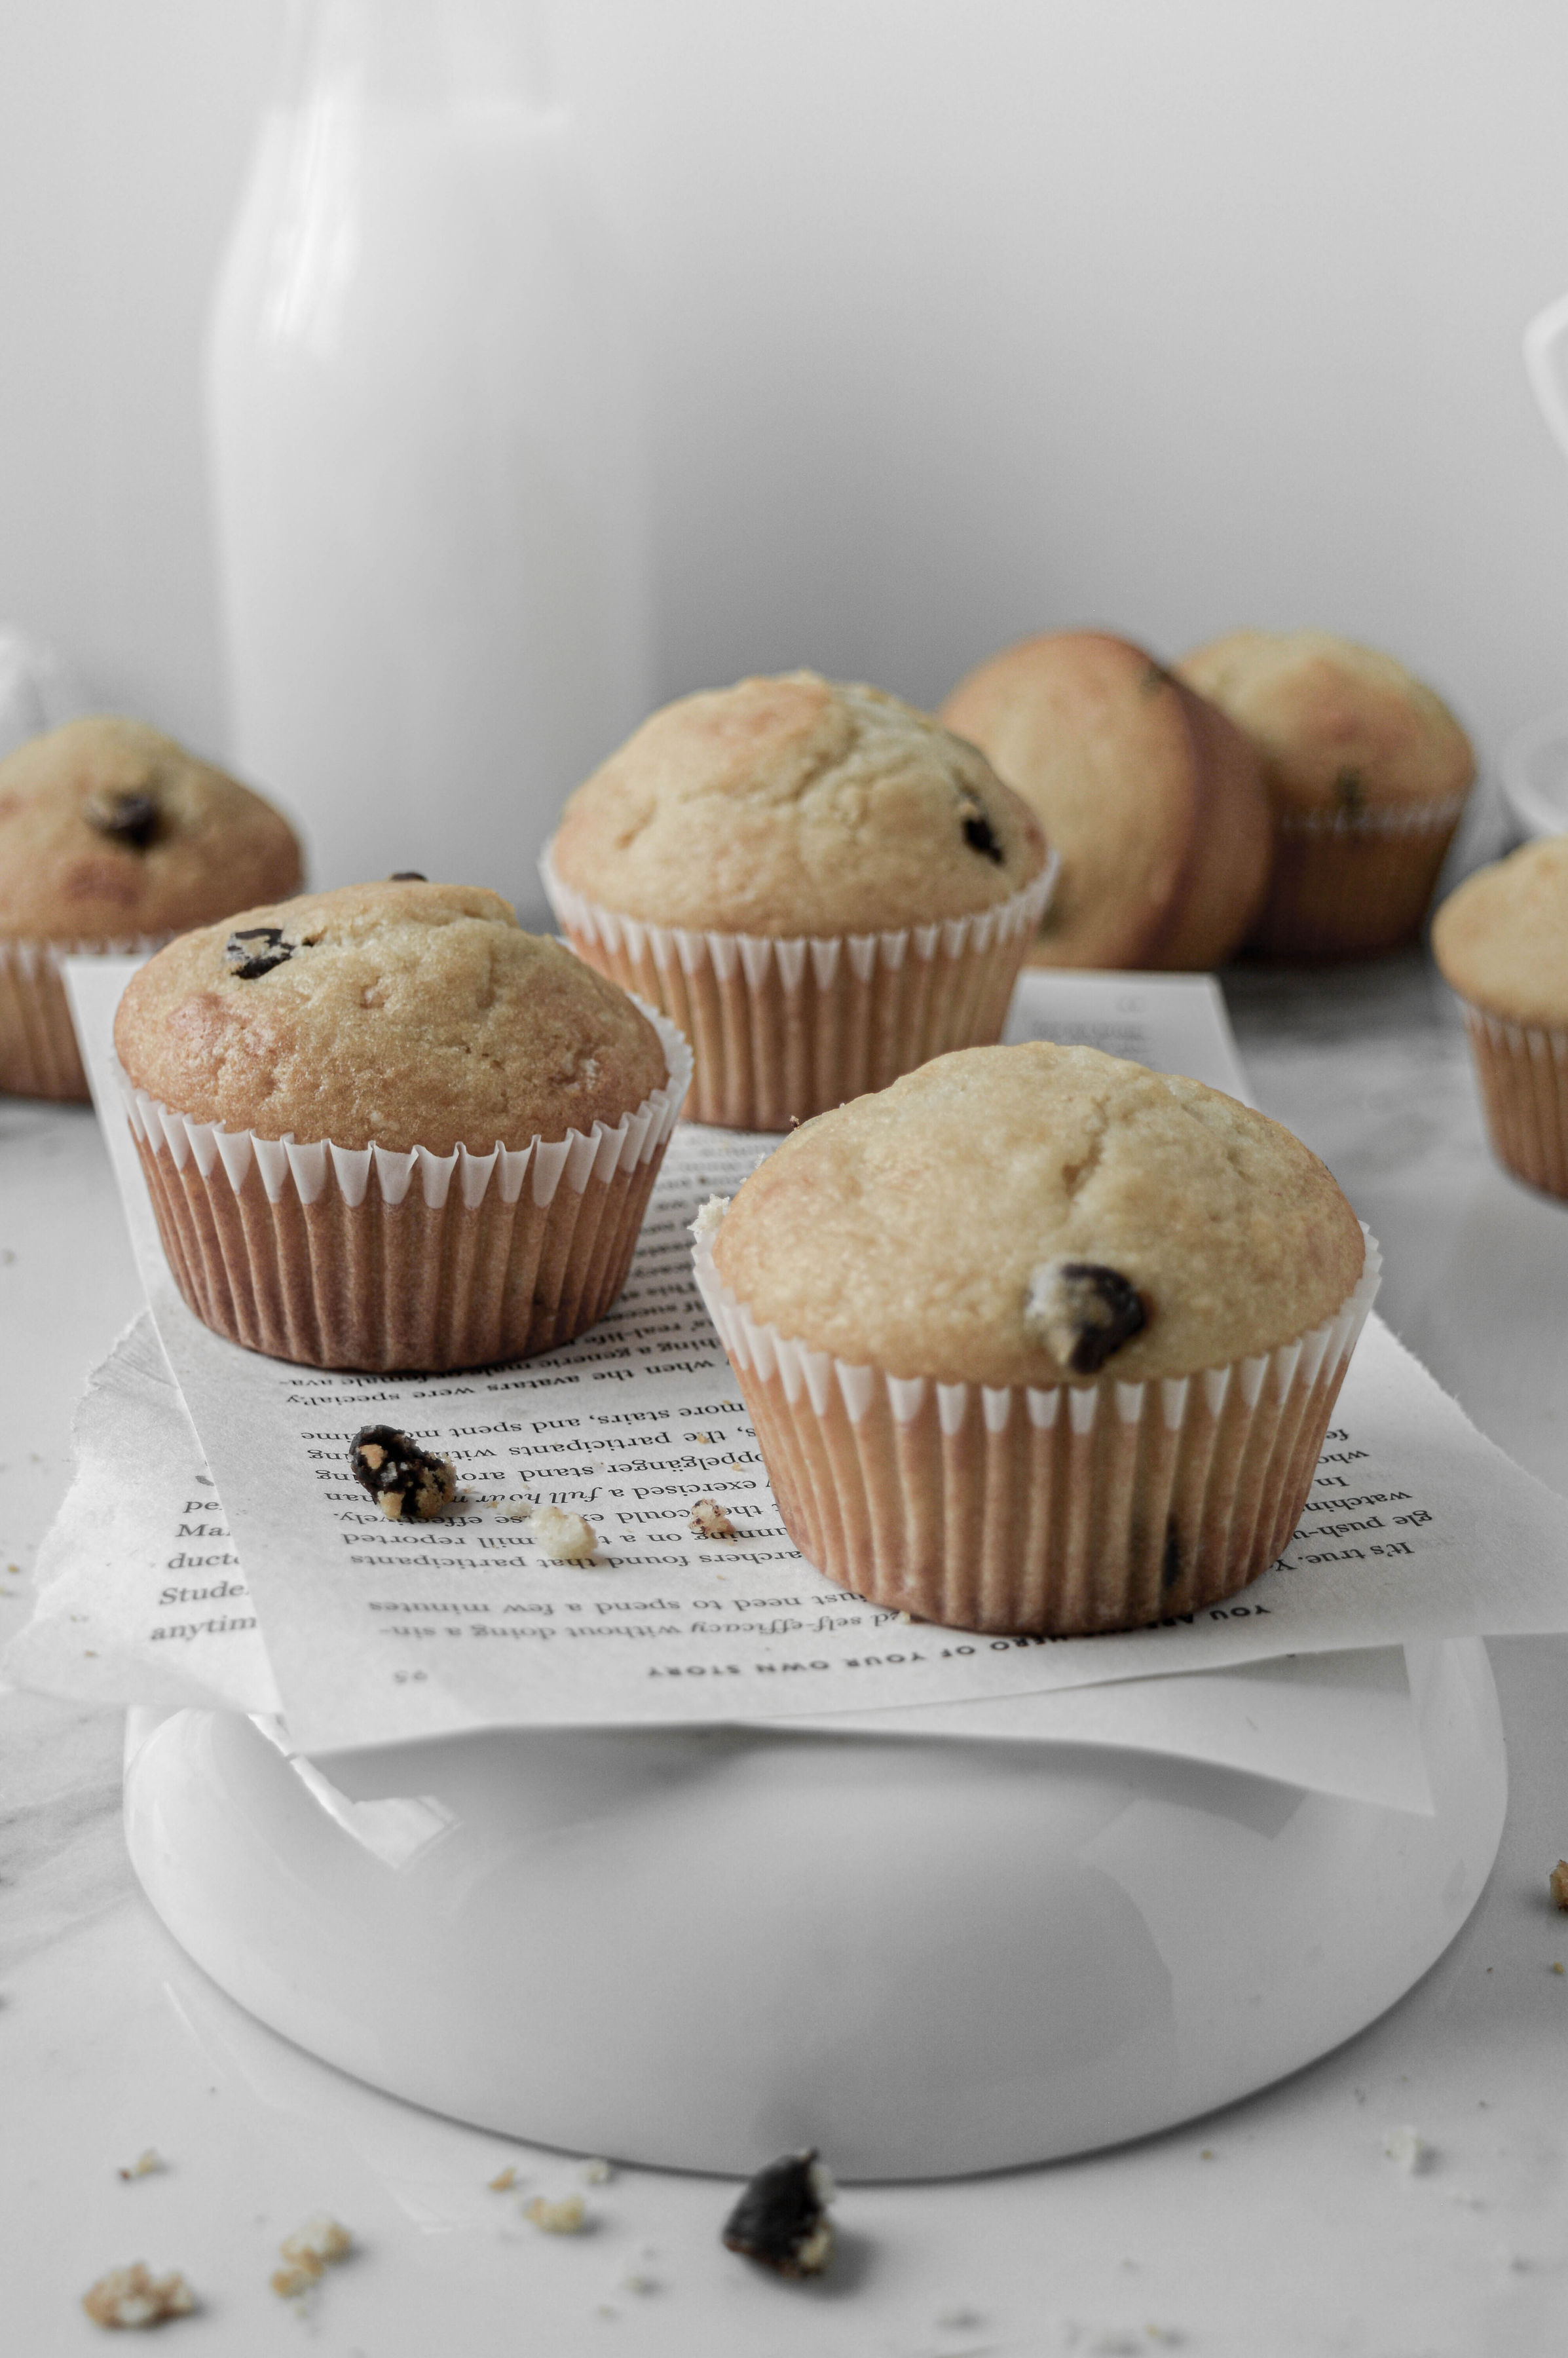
x=1040, y=1340
x=1152, y=798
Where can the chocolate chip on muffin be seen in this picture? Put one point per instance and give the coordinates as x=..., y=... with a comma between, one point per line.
x=1083, y=1312
x=257, y=951
x=127, y=816
x=407, y=1482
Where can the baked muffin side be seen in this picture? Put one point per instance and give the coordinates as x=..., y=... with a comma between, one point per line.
x=1153, y=800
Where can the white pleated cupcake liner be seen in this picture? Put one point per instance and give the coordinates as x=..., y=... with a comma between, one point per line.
x=39, y=1053
x=1060, y=1510
x=786, y=1027
x=1522, y=1069
x=383, y=1259
x=1353, y=884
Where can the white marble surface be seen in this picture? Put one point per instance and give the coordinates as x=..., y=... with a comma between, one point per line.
x=1276, y=2225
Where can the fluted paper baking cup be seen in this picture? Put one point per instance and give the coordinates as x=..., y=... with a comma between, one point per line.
x=1062, y=1511
x=1523, y=1072
x=359, y=1256
x=785, y=1028
x=38, y=1054
x=1353, y=884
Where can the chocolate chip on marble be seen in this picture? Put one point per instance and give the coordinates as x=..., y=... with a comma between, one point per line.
x=408, y=876
x=407, y=1482
x=126, y=815
x=781, y=2220
x=255, y=951
x=1083, y=1312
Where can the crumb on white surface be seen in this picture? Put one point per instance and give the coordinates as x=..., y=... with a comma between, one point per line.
x=706, y=1222
x=709, y=1521
x=567, y=2217
x=1558, y=1880
x=638, y=2280
x=503, y=2181
x=144, y=2164
x=322, y=2238
x=307, y=2254
x=563, y=1537
x=133, y=2298
x=1407, y=2148
x=597, y=2171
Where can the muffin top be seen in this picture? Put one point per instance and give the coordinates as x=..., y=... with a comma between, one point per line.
x=1341, y=727
x=1501, y=939
x=795, y=807
x=1125, y=767
x=109, y=829
x=404, y=1013
x=1039, y=1215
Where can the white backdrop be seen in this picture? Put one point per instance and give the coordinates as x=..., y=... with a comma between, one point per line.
x=966, y=318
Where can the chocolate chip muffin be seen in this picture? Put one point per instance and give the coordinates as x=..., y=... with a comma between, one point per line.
x=1153, y=800
x=1081, y=1326
x=821, y=885
x=1367, y=773
x=1501, y=945
x=113, y=837
x=385, y=1127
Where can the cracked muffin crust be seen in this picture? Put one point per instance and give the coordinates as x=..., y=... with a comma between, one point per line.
x=1038, y=1215
x=406, y=1013
x=1154, y=799
x=797, y=806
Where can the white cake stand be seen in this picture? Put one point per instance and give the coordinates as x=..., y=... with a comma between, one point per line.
x=700, y=1948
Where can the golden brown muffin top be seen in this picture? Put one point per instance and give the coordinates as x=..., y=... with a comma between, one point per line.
x=1502, y=938
x=404, y=1013
x=1343, y=728
x=110, y=830
x=1119, y=761
x=795, y=807
x=1039, y=1215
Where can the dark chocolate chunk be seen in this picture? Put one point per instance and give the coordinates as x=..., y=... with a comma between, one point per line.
x=126, y=815
x=980, y=835
x=257, y=951
x=1083, y=1312
x=407, y=1482
x=408, y=876
x=781, y=2220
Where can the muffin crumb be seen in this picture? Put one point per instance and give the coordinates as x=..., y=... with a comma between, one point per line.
x=563, y=1537
x=781, y=2220
x=1558, y=1881
x=407, y=1482
x=133, y=2298
x=709, y=1521
x=1411, y=2151
x=706, y=1222
x=144, y=2164
x=567, y=2217
x=503, y=2181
